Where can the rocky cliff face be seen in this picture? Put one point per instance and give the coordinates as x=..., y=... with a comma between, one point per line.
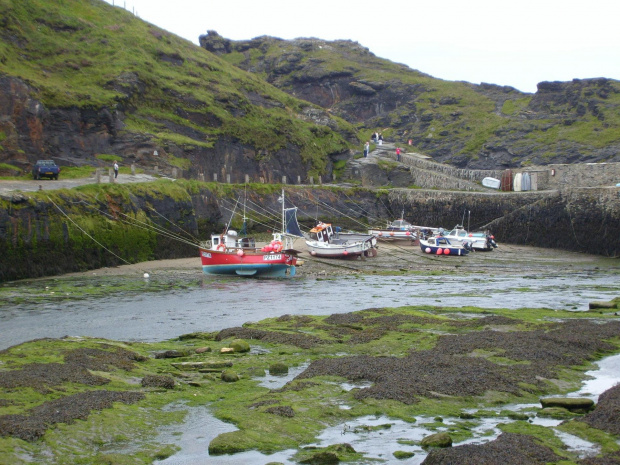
x=75, y=136
x=475, y=126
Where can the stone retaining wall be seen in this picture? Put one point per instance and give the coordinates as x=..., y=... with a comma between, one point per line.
x=429, y=174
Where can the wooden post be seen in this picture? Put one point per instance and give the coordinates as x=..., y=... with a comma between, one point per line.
x=98, y=176
x=247, y=179
x=320, y=181
x=111, y=174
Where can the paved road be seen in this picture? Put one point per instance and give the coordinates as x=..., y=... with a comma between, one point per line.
x=10, y=187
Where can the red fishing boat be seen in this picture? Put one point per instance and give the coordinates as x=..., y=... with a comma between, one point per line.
x=229, y=254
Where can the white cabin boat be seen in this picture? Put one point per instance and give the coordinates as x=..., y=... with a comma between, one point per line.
x=326, y=243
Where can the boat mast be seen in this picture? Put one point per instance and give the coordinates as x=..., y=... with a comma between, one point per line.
x=283, y=220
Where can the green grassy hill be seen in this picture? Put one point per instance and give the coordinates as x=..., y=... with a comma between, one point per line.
x=484, y=126
x=80, y=78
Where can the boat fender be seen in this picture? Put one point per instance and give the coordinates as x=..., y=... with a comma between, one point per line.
x=446, y=251
x=439, y=251
x=427, y=250
x=240, y=253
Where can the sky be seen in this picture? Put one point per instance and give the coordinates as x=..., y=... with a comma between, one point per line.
x=508, y=43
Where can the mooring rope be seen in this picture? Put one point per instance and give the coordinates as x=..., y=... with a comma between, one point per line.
x=91, y=237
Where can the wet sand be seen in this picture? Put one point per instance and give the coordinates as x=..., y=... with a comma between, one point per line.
x=401, y=258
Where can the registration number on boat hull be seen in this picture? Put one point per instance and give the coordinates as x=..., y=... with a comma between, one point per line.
x=270, y=257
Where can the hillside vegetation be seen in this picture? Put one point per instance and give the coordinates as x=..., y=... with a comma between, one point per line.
x=479, y=126
x=105, y=81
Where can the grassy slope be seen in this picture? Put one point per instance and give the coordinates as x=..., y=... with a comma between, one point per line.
x=483, y=120
x=87, y=53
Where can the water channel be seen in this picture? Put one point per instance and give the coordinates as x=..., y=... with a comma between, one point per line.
x=197, y=303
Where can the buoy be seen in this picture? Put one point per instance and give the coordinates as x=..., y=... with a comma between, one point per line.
x=427, y=250
x=408, y=233
x=446, y=251
x=439, y=251
x=345, y=253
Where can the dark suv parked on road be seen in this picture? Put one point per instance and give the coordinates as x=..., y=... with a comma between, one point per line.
x=45, y=169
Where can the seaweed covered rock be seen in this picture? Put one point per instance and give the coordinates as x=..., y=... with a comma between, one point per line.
x=574, y=404
x=278, y=369
x=240, y=346
x=437, y=440
x=158, y=381
x=507, y=449
x=229, y=376
x=606, y=415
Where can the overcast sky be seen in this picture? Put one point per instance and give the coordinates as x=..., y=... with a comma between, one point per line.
x=514, y=43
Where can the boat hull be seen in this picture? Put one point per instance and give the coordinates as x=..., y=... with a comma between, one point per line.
x=442, y=249
x=318, y=249
x=269, y=265
x=389, y=235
